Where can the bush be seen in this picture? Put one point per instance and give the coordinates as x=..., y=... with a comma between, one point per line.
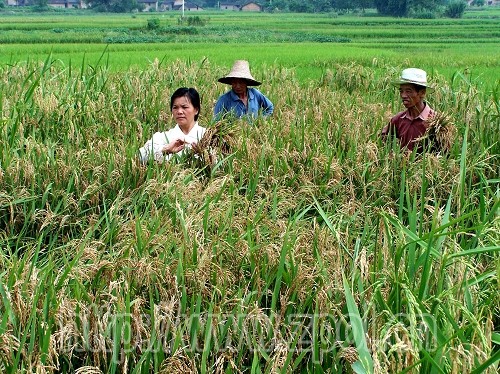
x=455, y=9
x=99, y=8
x=153, y=24
x=181, y=30
x=192, y=21
x=422, y=14
x=300, y=7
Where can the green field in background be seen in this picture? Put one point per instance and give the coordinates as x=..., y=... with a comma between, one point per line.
x=295, y=41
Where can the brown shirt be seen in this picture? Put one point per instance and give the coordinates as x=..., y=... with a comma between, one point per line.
x=406, y=128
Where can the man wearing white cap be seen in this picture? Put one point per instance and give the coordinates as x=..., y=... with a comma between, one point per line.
x=411, y=124
x=241, y=100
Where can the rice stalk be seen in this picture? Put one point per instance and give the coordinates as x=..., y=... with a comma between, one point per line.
x=218, y=142
x=108, y=266
x=440, y=132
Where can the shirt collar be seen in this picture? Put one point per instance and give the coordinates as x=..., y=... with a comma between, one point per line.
x=235, y=97
x=424, y=114
x=193, y=131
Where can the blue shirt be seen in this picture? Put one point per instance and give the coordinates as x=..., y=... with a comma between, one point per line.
x=230, y=102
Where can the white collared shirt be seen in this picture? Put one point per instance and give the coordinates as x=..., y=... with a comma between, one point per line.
x=159, y=140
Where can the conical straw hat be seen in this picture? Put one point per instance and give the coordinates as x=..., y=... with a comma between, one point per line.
x=240, y=70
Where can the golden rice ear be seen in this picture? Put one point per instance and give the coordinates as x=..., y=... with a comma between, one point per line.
x=219, y=139
x=179, y=362
x=440, y=131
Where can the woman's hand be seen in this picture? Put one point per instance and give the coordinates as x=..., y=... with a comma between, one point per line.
x=174, y=147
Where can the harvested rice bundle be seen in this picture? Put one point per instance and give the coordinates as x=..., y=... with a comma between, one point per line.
x=440, y=132
x=218, y=140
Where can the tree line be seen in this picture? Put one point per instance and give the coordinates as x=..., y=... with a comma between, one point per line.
x=394, y=8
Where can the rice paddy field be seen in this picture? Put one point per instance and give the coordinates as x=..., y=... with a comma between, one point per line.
x=305, y=42
x=312, y=247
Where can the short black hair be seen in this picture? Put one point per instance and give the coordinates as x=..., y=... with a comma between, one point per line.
x=192, y=95
x=418, y=87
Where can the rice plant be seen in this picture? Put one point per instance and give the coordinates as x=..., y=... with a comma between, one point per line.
x=312, y=247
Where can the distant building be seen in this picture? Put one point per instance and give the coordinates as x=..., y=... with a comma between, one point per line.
x=149, y=5
x=224, y=5
x=16, y=2
x=188, y=6
x=244, y=6
x=169, y=4
x=68, y=4
x=177, y=5
x=251, y=7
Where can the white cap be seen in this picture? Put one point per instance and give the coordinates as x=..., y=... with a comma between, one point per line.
x=413, y=76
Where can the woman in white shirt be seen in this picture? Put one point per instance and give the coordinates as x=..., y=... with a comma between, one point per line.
x=185, y=107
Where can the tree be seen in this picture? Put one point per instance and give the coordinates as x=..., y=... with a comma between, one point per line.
x=364, y=4
x=315, y=6
x=322, y=5
x=41, y=5
x=300, y=6
x=115, y=6
x=210, y=3
x=401, y=8
x=280, y=5
x=344, y=4
x=396, y=8
x=455, y=9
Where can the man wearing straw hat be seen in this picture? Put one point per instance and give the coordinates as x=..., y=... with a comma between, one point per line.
x=241, y=100
x=411, y=124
